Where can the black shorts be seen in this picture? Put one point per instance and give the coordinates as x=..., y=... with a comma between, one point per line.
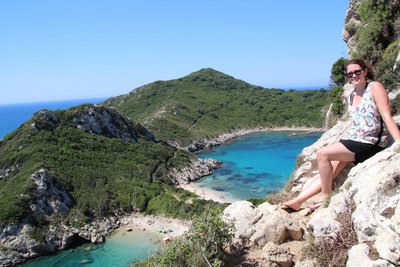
x=362, y=151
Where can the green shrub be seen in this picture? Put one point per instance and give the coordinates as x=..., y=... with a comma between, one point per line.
x=37, y=234
x=389, y=76
x=203, y=245
x=337, y=72
x=338, y=106
x=395, y=105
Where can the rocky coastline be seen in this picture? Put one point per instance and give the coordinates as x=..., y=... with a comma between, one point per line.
x=361, y=219
x=18, y=246
x=204, y=144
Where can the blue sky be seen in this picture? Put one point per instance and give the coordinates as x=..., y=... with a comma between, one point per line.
x=72, y=49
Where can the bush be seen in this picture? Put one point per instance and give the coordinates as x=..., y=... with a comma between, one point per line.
x=385, y=72
x=336, y=97
x=203, y=245
x=337, y=72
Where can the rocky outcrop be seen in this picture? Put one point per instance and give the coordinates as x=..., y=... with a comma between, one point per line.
x=49, y=196
x=221, y=139
x=374, y=187
x=256, y=226
x=352, y=22
x=95, y=119
x=108, y=122
x=18, y=243
x=226, y=137
x=196, y=170
x=274, y=233
x=30, y=238
x=8, y=170
x=367, y=200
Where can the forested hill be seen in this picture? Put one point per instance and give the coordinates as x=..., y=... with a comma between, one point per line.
x=207, y=103
x=84, y=163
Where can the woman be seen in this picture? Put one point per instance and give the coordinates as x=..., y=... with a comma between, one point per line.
x=368, y=105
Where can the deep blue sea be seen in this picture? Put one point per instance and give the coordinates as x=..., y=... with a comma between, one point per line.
x=253, y=166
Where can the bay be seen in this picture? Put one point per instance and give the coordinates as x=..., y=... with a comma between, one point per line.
x=255, y=165
x=121, y=249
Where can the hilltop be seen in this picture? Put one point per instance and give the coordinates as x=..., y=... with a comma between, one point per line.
x=208, y=103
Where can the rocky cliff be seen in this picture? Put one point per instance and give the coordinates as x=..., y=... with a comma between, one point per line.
x=361, y=219
x=360, y=224
x=66, y=177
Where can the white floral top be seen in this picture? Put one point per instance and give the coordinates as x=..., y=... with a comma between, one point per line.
x=367, y=125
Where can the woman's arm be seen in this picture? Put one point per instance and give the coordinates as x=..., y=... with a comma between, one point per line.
x=382, y=101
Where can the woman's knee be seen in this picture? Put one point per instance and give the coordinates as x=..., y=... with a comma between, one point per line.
x=322, y=154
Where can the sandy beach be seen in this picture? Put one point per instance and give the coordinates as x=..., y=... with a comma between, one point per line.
x=208, y=194
x=156, y=224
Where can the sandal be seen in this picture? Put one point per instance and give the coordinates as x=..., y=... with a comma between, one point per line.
x=317, y=204
x=287, y=208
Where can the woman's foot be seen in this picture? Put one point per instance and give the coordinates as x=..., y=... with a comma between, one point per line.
x=317, y=204
x=289, y=207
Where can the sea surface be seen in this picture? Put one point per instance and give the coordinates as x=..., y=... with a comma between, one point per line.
x=120, y=250
x=255, y=165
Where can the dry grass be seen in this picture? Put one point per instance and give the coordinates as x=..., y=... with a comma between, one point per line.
x=333, y=252
x=279, y=197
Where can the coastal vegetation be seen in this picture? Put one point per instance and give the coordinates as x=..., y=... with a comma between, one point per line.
x=203, y=245
x=377, y=38
x=100, y=174
x=208, y=103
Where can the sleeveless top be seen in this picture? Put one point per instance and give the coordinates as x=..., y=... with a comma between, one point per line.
x=367, y=125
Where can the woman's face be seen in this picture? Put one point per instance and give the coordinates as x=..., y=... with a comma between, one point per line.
x=356, y=74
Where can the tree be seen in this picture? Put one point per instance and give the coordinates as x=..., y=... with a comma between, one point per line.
x=338, y=72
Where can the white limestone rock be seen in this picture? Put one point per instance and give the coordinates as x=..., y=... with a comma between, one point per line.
x=52, y=197
x=197, y=169
x=358, y=256
x=244, y=215
x=274, y=254
x=256, y=226
x=100, y=120
x=374, y=187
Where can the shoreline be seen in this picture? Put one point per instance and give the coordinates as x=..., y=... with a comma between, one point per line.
x=208, y=193
x=163, y=226
x=204, y=144
x=221, y=139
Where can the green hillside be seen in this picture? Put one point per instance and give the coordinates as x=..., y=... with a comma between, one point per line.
x=101, y=160
x=207, y=103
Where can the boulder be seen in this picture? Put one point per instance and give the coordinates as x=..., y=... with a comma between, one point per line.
x=359, y=256
x=274, y=254
x=256, y=226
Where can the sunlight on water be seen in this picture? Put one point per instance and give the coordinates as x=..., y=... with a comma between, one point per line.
x=255, y=165
x=121, y=249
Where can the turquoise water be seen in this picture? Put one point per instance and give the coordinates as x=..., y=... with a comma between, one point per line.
x=255, y=165
x=120, y=250
x=13, y=115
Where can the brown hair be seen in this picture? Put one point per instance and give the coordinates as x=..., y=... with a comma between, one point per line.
x=364, y=66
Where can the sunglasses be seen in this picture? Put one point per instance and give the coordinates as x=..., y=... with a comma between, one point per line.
x=351, y=73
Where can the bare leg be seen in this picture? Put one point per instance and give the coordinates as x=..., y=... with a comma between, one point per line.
x=325, y=156
x=337, y=157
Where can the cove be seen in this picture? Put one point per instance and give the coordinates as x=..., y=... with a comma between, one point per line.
x=255, y=165
x=121, y=249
